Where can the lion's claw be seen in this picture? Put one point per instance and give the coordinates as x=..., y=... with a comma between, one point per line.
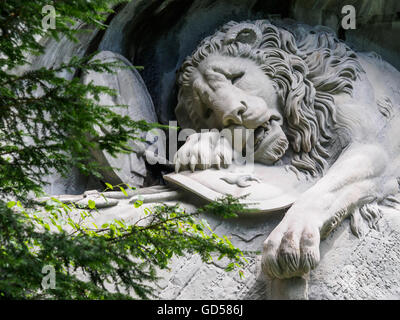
x=202, y=151
x=291, y=251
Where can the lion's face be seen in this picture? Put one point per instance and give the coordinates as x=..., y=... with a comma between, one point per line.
x=233, y=92
x=256, y=74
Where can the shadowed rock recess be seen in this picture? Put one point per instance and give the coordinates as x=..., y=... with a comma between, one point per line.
x=324, y=104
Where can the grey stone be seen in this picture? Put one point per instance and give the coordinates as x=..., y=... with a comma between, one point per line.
x=376, y=23
x=366, y=268
x=289, y=289
x=349, y=268
x=131, y=91
x=159, y=36
x=316, y=109
x=56, y=53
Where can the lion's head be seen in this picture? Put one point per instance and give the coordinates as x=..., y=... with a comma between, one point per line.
x=279, y=81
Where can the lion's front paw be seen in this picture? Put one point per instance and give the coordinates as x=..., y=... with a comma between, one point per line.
x=291, y=250
x=202, y=151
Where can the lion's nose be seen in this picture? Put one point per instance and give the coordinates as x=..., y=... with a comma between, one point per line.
x=234, y=116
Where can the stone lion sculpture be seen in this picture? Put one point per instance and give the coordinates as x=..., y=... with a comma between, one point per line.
x=316, y=106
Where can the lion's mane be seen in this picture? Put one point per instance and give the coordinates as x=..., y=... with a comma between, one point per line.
x=309, y=67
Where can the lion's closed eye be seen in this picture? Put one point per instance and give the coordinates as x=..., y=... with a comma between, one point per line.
x=235, y=78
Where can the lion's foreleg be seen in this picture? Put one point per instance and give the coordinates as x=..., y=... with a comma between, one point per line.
x=292, y=249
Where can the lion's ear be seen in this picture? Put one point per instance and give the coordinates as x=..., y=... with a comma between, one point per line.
x=243, y=33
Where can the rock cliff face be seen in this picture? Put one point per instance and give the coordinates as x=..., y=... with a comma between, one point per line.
x=159, y=35
x=133, y=93
x=350, y=268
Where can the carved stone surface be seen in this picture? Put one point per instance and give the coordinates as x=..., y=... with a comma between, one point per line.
x=132, y=92
x=350, y=268
x=189, y=277
x=375, y=29
x=267, y=189
x=324, y=111
x=315, y=106
x=366, y=268
x=159, y=35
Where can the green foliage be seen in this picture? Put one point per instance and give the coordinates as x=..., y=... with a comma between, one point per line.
x=125, y=255
x=226, y=207
x=21, y=24
x=47, y=123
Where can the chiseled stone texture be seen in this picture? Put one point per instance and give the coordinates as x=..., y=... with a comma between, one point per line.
x=190, y=278
x=350, y=268
x=368, y=268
